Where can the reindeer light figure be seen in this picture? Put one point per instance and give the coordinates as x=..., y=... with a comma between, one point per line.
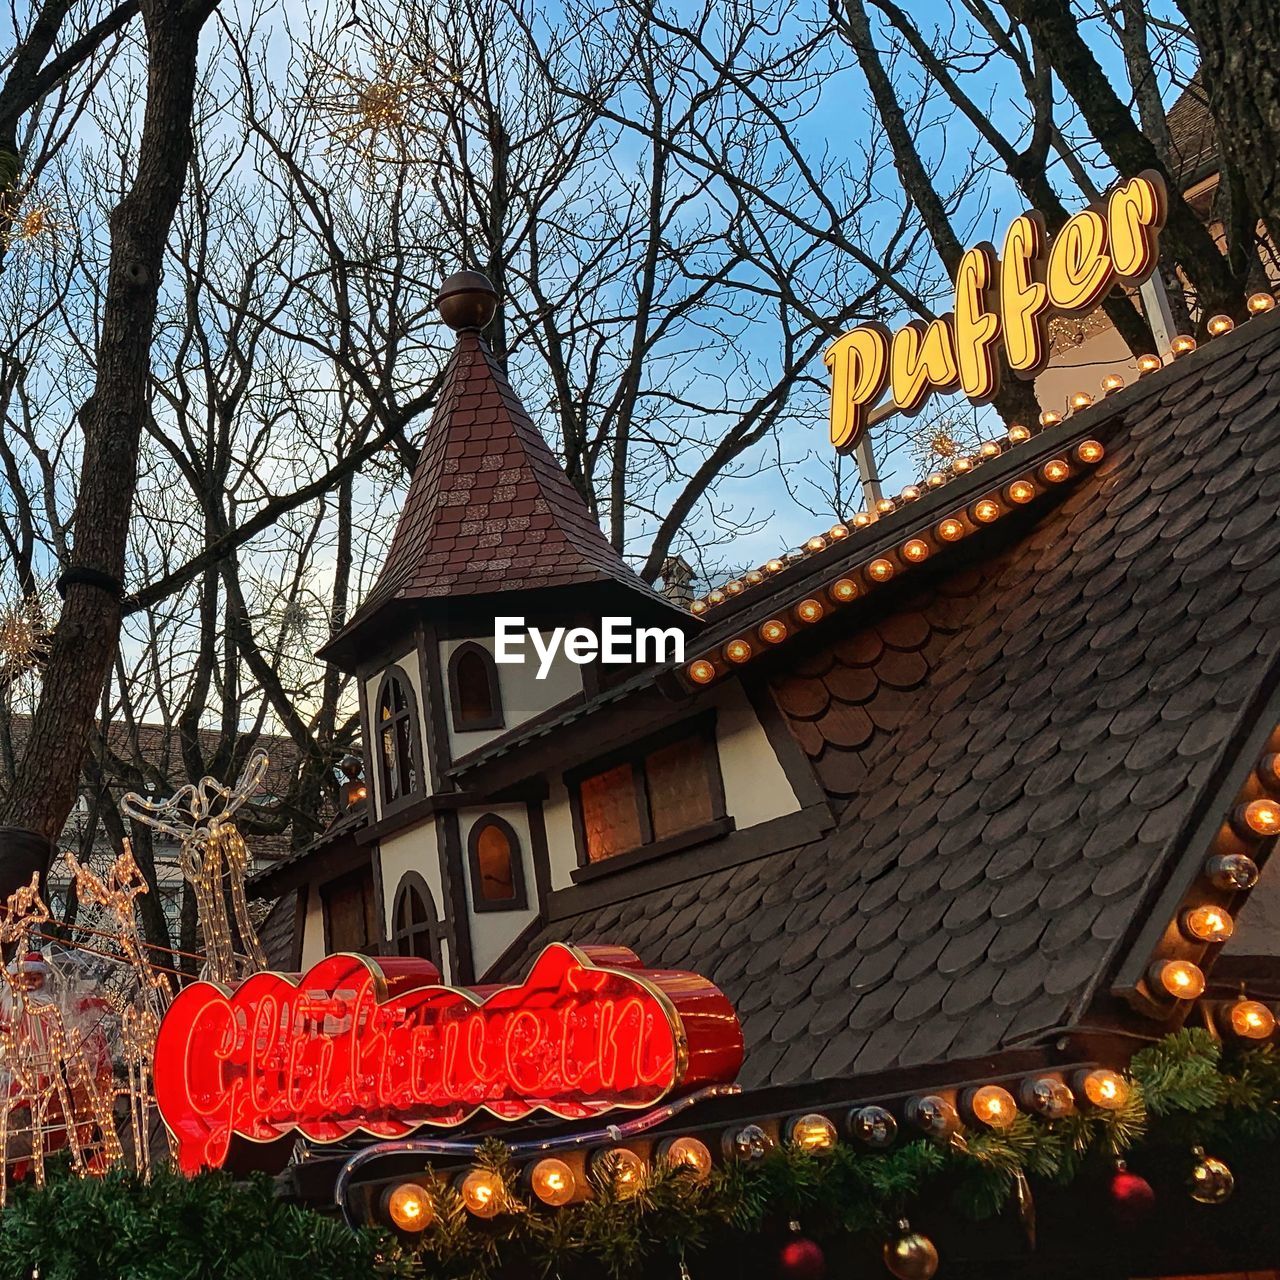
x=213, y=856
x=140, y=1016
x=48, y=1063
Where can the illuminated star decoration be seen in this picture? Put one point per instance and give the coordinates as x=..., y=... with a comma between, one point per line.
x=25, y=636
x=369, y=110
x=34, y=222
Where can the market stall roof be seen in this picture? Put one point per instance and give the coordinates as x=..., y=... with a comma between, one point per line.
x=1023, y=752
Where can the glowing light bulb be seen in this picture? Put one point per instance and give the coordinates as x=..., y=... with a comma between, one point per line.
x=843, y=590
x=915, y=550
x=1107, y=1090
x=1050, y=418
x=701, y=671
x=691, y=1155
x=1080, y=400
x=993, y=1106
x=1251, y=1019
x=989, y=449
x=754, y=577
x=880, y=570
x=1259, y=817
x=1089, y=451
x=1019, y=434
x=950, y=530
x=737, y=651
x=734, y=588
x=1112, y=383
x=816, y=543
x=775, y=565
x=838, y=531
x=986, y=510
x=774, y=631
x=1259, y=303
x=1208, y=924
x=960, y=465
x=1148, y=364
x=1021, y=491
x=482, y=1193
x=553, y=1182
x=809, y=610
x=935, y=479
x=698, y=606
x=1218, y=325
x=884, y=506
x=863, y=519
x=409, y=1207
x=1183, y=345
x=716, y=596
x=812, y=1133
x=1179, y=978
x=1056, y=470
x=910, y=493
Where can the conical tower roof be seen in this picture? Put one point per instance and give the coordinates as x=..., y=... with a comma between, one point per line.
x=489, y=510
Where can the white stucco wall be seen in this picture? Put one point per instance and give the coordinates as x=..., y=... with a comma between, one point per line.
x=755, y=787
x=523, y=694
x=562, y=851
x=313, y=930
x=492, y=932
x=413, y=849
x=408, y=663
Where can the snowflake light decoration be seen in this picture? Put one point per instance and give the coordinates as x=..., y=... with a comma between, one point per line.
x=25, y=636
x=35, y=224
x=368, y=110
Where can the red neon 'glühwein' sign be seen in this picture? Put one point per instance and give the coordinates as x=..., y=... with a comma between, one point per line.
x=380, y=1046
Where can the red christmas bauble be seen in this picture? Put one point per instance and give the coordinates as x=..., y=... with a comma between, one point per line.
x=801, y=1259
x=1131, y=1197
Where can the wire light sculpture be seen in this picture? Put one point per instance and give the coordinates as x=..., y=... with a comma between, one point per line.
x=215, y=861
x=54, y=1069
x=151, y=993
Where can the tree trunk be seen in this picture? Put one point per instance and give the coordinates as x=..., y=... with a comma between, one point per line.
x=1056, y=33
x=1240, y=43
x=1015, y=400
x=46, y=784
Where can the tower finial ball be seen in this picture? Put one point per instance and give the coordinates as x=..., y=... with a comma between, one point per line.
x=467, y=301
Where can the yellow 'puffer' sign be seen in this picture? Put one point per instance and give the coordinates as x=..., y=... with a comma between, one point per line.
x=1006, y=301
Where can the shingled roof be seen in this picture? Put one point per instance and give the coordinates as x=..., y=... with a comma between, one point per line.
x=1017, y=749
x=489, y=509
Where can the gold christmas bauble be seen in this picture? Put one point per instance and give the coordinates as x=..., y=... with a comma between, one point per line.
x=1212, y=1181
x=911, y=1256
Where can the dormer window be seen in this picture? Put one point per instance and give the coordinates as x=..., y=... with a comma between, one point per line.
x=497, y=870
x=474, y=692
x=661, y=795
x=397, y=730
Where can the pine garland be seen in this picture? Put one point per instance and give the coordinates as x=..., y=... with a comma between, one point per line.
x=1183, y=1090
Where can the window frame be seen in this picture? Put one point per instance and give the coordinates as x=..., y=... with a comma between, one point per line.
x=415, y=882
x=382, y=727
x=480, y=904
x=702, y=728
x=496, y=718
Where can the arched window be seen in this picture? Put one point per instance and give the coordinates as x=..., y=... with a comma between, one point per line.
x=415, y=927
x=474, y=692
x=497, y=870
x=398, y=752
